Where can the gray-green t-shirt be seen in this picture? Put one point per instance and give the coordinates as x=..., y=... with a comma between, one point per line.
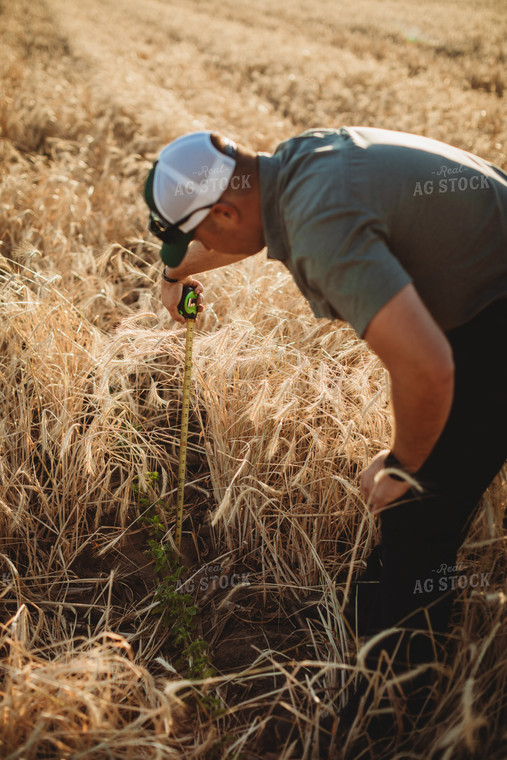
x=358, y=213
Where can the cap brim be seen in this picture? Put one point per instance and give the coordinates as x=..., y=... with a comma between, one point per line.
x=172, y=253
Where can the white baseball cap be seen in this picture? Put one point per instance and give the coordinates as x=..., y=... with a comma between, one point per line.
x=188, y=178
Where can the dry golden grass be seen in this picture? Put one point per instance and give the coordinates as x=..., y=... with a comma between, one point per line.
x=285, y=410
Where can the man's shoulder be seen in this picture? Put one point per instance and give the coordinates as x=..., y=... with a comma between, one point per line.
x=309, y=141
x=312, y=165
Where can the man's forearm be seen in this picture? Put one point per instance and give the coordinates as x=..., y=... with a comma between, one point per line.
x=421, y=410
x=419, y=359
x=200, y=259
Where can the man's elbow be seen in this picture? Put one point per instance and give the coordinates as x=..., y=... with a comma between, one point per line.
x=440, y=372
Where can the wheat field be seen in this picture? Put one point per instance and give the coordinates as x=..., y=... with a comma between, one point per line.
x=285, y=410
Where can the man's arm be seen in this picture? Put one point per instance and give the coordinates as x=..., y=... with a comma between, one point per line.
x=419, y=359
x=200, y=259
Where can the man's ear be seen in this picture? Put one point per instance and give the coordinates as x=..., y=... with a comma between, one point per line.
x=225, y=214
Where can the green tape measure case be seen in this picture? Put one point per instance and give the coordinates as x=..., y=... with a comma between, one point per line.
x=187, y=306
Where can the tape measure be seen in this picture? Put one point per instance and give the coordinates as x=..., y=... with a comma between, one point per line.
x=187, y=307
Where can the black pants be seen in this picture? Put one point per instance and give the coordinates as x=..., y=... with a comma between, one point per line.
x=420, y=538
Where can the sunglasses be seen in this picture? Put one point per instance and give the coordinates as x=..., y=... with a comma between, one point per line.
x=166, y=231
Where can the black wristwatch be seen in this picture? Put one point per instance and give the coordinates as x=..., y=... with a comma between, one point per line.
x=168, y=279
x=392, y=462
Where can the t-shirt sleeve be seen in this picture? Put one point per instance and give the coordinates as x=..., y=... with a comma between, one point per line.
x=341, y=262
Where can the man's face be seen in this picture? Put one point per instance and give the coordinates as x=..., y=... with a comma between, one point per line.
x=231, y=230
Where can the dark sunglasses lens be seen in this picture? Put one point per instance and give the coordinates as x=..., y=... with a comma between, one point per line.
x=155, y=225
x=159, y=229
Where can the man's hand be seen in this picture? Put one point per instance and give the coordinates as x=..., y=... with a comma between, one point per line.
x=378, y=488
x=171, y=296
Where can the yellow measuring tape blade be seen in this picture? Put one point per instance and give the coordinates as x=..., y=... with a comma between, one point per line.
x=184, y=430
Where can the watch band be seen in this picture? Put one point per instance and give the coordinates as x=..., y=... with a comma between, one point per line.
x=391, y=462
x=168, y=279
